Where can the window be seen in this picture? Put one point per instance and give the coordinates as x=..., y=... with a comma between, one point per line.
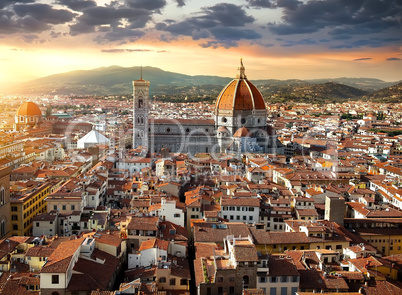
x=162, y=280
x=220, y=290
x=183, y=282
x=55, y=279
x=172, y=282
x=284, y=279
x=15, y=226
x=273, y=279
x=3, y=228
x=37, y=224
x=284, y=290
x=14, y=208
x=177, y=215
x=232, y=279
x=72, y=207
x=237, y=217
x=272, y=291
x=231, y=290
x=263, y=279
x=294, y=279
x=14, y=217
x=54, y=207
x=220, y=279
x=64, y=207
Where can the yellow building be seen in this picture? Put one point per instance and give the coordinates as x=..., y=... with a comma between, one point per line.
x=27, y=201
x=386, y=240
x=384, y=234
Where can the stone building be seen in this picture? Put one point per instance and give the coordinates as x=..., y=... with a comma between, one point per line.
x=239, y=124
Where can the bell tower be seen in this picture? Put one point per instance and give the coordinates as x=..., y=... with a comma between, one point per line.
x=140, y=113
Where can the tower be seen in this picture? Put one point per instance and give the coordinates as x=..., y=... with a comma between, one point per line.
x=140, y=113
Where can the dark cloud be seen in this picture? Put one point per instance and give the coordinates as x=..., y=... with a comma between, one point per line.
x=110, y=19
x=44, y=13
x=222, y=22
x=260, y=3
x=289, y=4
x=180, y=3
x=77, y=5
x=372, y=42
x=5, y=3
x=146, y=4
x=9, y=24
x=362, y=58
x=234, y=34
x=306, y=41
x=32, y=19
x=393, y=59
x=339, y=17
x=119, y=35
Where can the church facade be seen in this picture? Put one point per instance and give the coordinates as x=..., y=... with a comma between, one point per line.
x=239, y=124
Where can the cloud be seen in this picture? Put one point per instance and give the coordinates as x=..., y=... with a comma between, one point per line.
x=77, y=5
x=306, y=41
x=372, y=42
x=5, y=3
x=146, y=4
x=119, y=35
x=260, y=3
x=362, y=58
x=393, y=59
x=117, y=50
x=180, y=3
x=338, y=17
x=30, y=38
x=223, y=22
x=44, y=13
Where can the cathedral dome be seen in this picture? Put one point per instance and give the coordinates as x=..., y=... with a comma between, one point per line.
x=29, y=109
x=240, y=94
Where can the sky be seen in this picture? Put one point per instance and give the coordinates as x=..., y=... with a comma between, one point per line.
x=277, y=39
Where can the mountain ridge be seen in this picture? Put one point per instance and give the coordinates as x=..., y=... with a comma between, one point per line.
x=115, y=80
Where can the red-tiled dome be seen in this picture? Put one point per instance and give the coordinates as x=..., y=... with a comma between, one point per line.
x=240, y=94
x=29, y=109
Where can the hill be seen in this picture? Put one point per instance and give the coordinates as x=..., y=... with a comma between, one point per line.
x=110, y=80
x=116, y=80
x=388, y=94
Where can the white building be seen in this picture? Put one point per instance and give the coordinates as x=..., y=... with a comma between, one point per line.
x=168, y=211
x=150, y=252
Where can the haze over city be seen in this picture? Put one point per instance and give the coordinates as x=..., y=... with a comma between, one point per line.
x=280, y=39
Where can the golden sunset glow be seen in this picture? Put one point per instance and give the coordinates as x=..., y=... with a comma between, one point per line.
x=195, y=39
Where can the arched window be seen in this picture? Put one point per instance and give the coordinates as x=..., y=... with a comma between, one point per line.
x=246, y=281
x=3, y=228
x=2, y=196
